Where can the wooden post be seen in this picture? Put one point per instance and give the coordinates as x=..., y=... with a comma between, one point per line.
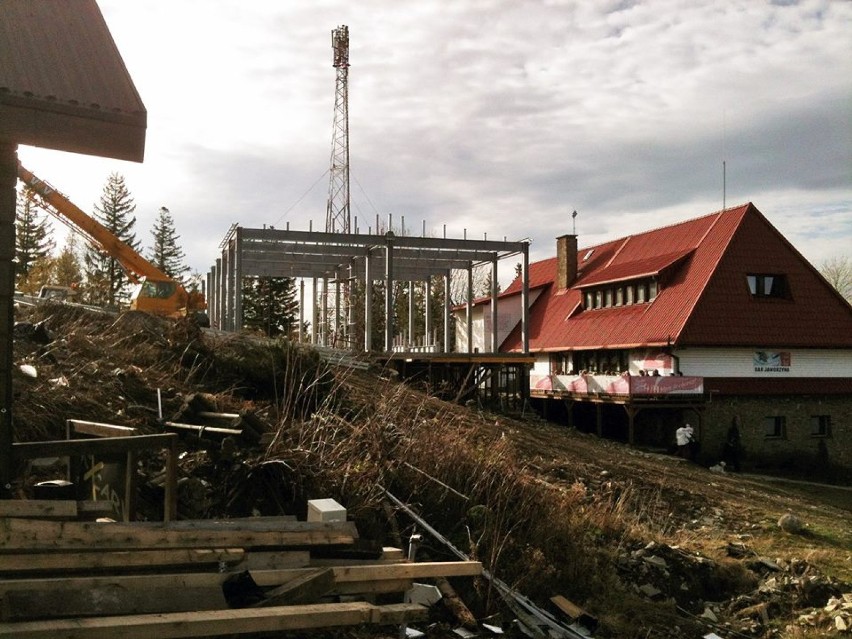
x=599, y=418
x=8, y=195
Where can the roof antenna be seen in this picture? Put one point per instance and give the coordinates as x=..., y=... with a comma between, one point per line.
x=574, y=222
x=724, y=185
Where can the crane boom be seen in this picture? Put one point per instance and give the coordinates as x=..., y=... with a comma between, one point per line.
x=136, y=266
x=155, y=291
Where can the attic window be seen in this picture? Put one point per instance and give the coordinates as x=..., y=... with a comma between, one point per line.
x=765, y=285
x=588, y=254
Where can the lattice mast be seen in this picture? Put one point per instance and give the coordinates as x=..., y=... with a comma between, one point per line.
x=338, y=212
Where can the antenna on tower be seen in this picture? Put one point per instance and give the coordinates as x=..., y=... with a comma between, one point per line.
x=338, y=211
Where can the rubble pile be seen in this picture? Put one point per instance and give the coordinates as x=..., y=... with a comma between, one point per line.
x=749, y=595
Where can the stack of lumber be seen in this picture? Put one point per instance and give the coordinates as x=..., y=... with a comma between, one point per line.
x=65, y=578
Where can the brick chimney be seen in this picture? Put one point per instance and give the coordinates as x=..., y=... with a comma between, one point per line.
x=566, y=261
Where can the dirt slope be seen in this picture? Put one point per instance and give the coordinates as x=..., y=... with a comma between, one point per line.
x=651, y=545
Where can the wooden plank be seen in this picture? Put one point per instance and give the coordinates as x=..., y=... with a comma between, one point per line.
x=107, y=560
x=263, y=578
x=89, y=509
x=414, y=570
x=35, y=535
x=97, y=446
x=273, y=560
x=574, y=612
x=389, y=556
x=29, y=605
x=98, y=429
x=39, y=508
x=304, y=589
x=568, y=607
x=201, y=430
x=373, y=587
x=216, y=622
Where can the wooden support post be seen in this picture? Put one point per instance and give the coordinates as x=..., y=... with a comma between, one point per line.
x=599, y=418
x=8, y=197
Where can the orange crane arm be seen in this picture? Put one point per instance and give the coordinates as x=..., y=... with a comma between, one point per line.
x=136, y=266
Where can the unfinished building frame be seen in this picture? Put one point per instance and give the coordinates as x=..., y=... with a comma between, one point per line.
x=339, y=259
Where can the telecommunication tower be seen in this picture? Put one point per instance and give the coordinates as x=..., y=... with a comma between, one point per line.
x=337, y=216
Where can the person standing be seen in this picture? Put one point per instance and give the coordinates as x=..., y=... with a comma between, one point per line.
x=683, y=439
x=732, y=446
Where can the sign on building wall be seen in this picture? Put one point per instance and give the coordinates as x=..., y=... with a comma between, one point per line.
x=771, y=361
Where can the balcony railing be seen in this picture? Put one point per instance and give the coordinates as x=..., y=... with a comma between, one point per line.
x=615, y=385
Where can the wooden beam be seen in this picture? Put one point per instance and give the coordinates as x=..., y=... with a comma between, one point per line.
x=414, y=570
x=304, y=589
x=98, y=429
x=39, y=508
x=97, y=446
x=200, y=429
x=273, y=560
x=216, y=622
x=107, y=560
x=30, y=605
x=35, y=535
x=263, y=578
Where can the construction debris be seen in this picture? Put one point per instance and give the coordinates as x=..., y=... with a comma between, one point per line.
x=205, y=582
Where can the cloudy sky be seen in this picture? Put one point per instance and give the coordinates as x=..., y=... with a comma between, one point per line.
x=497, y=117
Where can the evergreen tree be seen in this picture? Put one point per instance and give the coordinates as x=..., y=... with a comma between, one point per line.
x=106, y=282
x=270, y=306
x=33, y=241
x=66, y=266
x=166, y=254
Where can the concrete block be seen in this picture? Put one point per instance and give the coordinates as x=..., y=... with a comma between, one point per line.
x=325, y=510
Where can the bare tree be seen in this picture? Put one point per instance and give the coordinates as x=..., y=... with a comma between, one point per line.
x=838, y=272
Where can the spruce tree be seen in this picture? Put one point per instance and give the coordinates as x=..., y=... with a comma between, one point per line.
x=166, y=253
x=106, y=282
x=270, y=306
x=33, y=241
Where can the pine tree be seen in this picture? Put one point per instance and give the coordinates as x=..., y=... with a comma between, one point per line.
x=270, y=306
x=106, y=282
x=33, y=241
x=166, y=253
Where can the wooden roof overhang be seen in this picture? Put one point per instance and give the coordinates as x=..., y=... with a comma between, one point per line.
x=63, y=83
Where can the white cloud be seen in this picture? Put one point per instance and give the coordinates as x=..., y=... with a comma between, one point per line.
x=491, y=116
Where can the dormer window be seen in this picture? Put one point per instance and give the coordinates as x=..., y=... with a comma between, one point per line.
x=765, y=285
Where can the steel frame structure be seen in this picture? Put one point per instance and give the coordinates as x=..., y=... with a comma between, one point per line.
x=339, y=258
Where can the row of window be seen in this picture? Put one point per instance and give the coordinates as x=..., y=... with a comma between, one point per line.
x=775, y=426
x=633, y=293
x=759, y=285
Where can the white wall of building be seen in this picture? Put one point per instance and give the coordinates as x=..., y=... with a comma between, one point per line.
x=508, y=316
x=746, y=362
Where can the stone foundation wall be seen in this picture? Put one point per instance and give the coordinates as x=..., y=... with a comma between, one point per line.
x=797, y=449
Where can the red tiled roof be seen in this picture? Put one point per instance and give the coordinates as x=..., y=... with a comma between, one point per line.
x=644, y=267
x=703, y=298
x=541, y=274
